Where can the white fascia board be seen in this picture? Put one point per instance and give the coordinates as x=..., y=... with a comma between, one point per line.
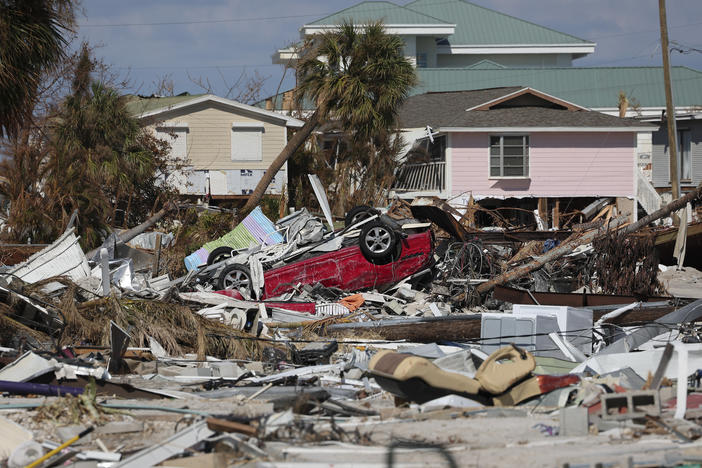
x=172, y=124
x=247, y=124
x=517, y=49
x=544, y=129
x=650, y=113
x=529, y=89
x=395, y=29
x=285, y=56
x=289, y=121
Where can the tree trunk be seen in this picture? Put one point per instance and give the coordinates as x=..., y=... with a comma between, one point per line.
x=567, y=247
x=293, y=145
x=126, y=236
x=130, y=234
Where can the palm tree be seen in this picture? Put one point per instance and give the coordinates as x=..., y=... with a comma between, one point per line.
x=358, y=77
x=32, y=41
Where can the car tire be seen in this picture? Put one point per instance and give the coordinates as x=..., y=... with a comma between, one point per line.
x=379, y=243
x=236, y=277
x=219, y=254
x=359, y=213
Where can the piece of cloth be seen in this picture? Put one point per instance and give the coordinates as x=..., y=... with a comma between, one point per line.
x=681, y=239
x=352, y=302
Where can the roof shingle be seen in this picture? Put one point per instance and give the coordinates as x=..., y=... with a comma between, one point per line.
x=448, y=109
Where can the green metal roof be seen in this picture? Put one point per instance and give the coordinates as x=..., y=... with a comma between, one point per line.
x=137, y=105
x=389, y=13
x=477, y=25
x=487, y=65
x=588, y=87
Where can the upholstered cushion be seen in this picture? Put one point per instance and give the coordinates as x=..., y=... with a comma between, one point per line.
x=504, y=368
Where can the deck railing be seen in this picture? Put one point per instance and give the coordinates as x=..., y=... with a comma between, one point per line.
x=647, y=196
x=421, y=177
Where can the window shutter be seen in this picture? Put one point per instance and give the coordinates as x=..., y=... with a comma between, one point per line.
x=246, y=142
x=177, y=137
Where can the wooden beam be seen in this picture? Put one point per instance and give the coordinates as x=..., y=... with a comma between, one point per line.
x=670, y=235
x=223, y=425
x=543, y=210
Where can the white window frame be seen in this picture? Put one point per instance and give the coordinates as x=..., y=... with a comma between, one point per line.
x=253, y=127
x=525, y=156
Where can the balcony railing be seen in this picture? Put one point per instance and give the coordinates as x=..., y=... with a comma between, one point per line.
x=421, y=177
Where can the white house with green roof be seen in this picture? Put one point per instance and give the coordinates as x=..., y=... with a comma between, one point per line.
x=220, y=148
x=456, y=33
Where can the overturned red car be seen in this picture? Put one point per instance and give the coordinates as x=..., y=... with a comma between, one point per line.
x=385, y=252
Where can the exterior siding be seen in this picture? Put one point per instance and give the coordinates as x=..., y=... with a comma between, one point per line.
x=661, y=166
x=209, y=135
x=661, y=174
x=560, y=165
x=696, y=152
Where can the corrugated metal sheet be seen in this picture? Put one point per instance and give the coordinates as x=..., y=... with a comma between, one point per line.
x=390, y=13
x=62, y=258
x=477, y=25
x=255, y=229
x=588, y=87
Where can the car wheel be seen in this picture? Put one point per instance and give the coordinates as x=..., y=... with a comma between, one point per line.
x=219, y=254
x=236, y=277
x=378, y=242
x=359, y=213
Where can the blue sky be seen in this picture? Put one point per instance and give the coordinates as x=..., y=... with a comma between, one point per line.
x=215, y=38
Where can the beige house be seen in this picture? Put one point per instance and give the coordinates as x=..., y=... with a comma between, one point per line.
x=223, y=146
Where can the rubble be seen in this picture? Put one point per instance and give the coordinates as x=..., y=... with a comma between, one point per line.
x=409, y=334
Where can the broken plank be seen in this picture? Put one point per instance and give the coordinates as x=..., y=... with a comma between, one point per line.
x=223, y=425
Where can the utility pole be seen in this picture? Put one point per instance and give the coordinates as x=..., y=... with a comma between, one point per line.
x=669, y=109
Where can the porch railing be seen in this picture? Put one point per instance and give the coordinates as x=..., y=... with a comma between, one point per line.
x=421, y=177
x=645, y=193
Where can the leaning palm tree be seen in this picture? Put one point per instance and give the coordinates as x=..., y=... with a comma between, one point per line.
x=358, y=77
x=32, y=41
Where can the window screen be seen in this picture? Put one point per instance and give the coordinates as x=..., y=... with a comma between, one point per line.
x=509, y=156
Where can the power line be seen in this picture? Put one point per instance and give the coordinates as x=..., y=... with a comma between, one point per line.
x=647, y=31
x=683, y=49
x=318, y=15
x=196, y=67
x=181, y=23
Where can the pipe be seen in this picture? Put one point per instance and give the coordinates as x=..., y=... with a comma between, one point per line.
x=24, y=388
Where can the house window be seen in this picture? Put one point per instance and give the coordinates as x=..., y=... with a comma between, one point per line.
x=246, y=142
x=684, y=165
x=177, y=137
x=421, y=60
x=509, y=156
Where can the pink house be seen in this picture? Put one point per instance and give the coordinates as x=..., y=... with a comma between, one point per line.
x=517, y=146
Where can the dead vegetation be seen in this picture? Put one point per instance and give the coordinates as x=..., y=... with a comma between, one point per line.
x=627, y=265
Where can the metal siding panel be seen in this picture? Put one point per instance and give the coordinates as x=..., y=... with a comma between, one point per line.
x=696, y=151
x=659, y=160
